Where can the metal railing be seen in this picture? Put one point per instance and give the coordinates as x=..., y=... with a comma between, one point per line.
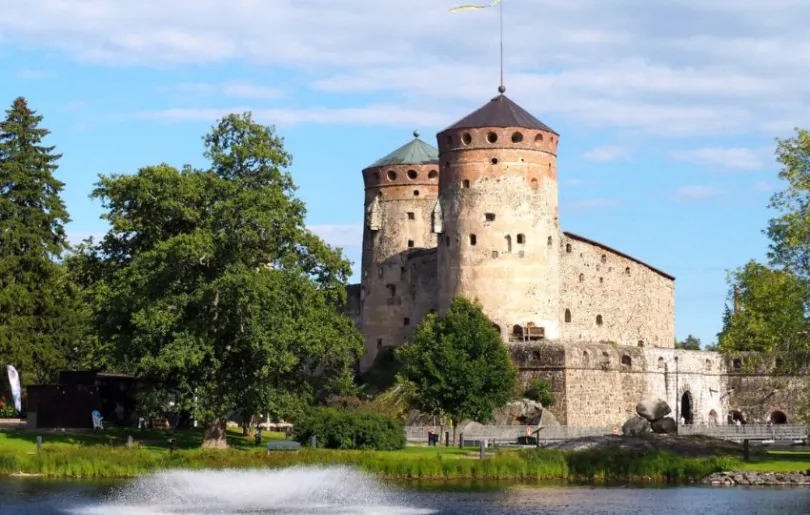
x=557, y=433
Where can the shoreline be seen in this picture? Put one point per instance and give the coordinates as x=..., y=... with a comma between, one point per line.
x=764, y=479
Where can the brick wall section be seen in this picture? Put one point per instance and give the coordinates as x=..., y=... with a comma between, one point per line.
x=635, y=302
x=547, y=363
x=506, y=263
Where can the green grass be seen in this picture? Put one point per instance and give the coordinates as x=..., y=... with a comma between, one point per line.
x=775, y=461
x=88, y=454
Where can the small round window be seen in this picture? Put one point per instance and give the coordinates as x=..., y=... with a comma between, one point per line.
x=517, y=137
x=433, y=174
x=412, y=174
x=392, y=175
x=492, y=137
x=466, y=138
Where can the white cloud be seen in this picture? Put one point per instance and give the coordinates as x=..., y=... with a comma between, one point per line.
x=605, y=153
x=580, y=205
x=233, y=89
x=33, y=74
x=763, y=187
x=618, y=65
x=735, y=158
x=685, y=193
x=381, y=114
x=340, y=235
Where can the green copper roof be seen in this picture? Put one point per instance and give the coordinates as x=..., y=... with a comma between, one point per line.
x=415, y=152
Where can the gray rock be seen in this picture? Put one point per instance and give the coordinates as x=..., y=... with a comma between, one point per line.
x=653, y=409
x=665, y=425
x=636, y=426
x=524, y=412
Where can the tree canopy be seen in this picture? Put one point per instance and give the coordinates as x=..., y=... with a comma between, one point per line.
x=208, y=282
x=772, y=306
x=457, y=365
x=39, y=322
x=689, y=343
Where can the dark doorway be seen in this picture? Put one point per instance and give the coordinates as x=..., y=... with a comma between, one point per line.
x=713, y=417
x=686, y=408
x=778, y=417
x=736, y=415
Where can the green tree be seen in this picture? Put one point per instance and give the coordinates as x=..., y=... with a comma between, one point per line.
x=39, y=325
x=457, y=365
x=772, y=313
x=789, y=231
x=690, y=343
x=209, y=282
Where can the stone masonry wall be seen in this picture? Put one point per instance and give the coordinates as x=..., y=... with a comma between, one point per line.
x=398, y=206
x=498, y=194
x=608, y=297
x=603, y=382
x=421, y=286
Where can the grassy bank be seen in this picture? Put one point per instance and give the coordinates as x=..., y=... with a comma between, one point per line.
x=105, y=455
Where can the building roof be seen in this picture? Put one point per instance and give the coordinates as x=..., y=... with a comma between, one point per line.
x=622, y=254
x=501, y=111
x=415, y=152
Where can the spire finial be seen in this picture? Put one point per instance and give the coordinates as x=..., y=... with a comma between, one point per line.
x=416, y=133
x=501, y=89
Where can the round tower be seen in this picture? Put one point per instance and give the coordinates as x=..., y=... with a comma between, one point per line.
x=500, y=235
x=401, y=190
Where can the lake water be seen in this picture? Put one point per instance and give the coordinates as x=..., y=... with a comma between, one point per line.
x=343, y=491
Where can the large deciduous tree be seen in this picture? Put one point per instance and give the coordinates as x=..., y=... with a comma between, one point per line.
x=689, y=343
x=772, y=307
x=457, y=365
x=208, y=281
x=39, y=326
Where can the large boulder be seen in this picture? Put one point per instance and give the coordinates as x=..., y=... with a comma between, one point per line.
x=524, y=412
x=636, y=426
x=665, y=425
x=653, y=409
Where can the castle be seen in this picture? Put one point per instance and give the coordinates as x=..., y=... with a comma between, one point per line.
x=478, y=217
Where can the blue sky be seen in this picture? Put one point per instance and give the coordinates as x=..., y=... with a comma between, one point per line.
x=667, y=115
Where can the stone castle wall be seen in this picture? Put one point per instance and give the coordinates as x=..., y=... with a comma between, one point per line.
x=609, y=297
x=599, y=385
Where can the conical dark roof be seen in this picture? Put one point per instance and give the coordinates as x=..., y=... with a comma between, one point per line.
x=500, y=112
x=415, y=152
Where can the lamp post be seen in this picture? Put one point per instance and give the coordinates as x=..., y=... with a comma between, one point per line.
x=677, y=400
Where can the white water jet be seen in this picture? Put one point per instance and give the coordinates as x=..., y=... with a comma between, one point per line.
x=298, y=490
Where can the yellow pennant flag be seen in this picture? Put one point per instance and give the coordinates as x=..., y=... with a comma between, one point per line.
x=471, y=7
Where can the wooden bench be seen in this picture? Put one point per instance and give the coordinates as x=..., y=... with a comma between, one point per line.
x=282, y=445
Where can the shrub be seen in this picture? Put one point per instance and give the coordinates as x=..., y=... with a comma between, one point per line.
x=540, y=391
x=350, y=429
x=7, y=409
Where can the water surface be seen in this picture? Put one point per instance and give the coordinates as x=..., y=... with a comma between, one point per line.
x=339, y=490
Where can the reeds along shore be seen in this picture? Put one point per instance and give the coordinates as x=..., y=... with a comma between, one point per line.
x=598, y=465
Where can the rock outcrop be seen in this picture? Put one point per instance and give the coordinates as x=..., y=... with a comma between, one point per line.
x=652, y=414
x=665, y=425
x=653, y=409
x=758, y=479
x=636, y=426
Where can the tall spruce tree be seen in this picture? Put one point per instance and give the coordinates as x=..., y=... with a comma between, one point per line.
x=37, y=320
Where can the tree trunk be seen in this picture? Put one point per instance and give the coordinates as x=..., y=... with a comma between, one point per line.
x=455, y=424
x=214, y=435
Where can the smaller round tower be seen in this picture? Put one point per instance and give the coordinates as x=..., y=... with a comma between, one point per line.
x=400, y=195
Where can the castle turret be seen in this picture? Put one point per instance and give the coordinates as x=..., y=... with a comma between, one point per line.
x=500, y=237
x=401, y=191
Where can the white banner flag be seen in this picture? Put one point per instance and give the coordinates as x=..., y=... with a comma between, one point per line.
x=16, y=391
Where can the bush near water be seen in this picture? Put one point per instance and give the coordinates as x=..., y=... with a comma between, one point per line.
x=342, y=428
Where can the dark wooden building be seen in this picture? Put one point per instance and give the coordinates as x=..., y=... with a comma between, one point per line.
x=70, y=403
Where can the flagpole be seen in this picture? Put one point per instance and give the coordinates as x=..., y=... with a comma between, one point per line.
x=500, y=6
